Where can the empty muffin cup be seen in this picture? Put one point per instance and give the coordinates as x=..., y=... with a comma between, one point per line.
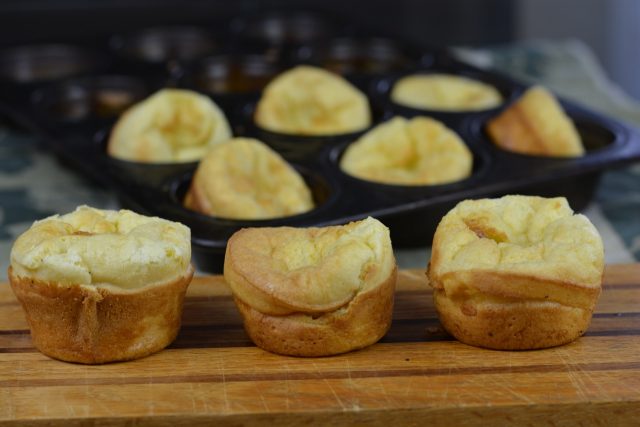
x=38, y=63
x=162, y=44
x=101, y=97
x=278, y=29
x=234, y=74
x=361, y=56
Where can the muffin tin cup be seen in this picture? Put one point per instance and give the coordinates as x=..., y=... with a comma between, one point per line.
x=140, y=174
x=164, y=50
x=234, y=74
x=91, y=100
x=324, y=191
x=232, y=79
x=601, y=141
x=24, y=69
x=482, y=164
x=299, y=147
x=382, y=87
x=361, y=59
x=71, y=114
x=24, y=65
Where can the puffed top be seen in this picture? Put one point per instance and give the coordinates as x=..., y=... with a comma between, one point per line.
x=542, y=249
x=93, y=247
x=307, y=100
x=171, y=126
x=419, y=151
x=283, y=270
x=245, y=179
x=444, y=92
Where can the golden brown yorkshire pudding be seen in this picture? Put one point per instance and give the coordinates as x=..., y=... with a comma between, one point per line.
x=245, y=179
x=516, y=273
x=313, y=291
x=419, y=151
x=536, y=124
x=171, y=126
x=444, y=92
x=102, y=286
x=308, y=100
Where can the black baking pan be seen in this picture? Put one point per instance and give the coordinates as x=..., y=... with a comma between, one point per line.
x=75, y=109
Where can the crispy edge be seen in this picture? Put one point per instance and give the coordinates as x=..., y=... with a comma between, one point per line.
x=97, y=325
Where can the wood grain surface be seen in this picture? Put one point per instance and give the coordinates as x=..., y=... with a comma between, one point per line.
x=417, y=375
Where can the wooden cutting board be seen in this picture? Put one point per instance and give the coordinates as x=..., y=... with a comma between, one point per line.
x=417, y=375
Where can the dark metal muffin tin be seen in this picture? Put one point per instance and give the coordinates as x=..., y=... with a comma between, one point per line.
x=72, y=95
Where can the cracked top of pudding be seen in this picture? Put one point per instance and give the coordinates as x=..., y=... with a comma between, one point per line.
x=94, y=247
x=518, y=247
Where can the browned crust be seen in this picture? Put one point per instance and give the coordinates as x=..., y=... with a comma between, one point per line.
x=510, y=311
x=96, y=325
x=512, y=130
x=513, y=285
x=519, y=129
x=359, y=324
x=511, y=326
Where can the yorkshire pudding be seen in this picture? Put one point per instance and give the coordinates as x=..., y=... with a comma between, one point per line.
x=313, y=291
x=245, y=179
x=308, y=100
x=419, y=151
x=516, y=273
x=102, y=286
x=171, y=126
